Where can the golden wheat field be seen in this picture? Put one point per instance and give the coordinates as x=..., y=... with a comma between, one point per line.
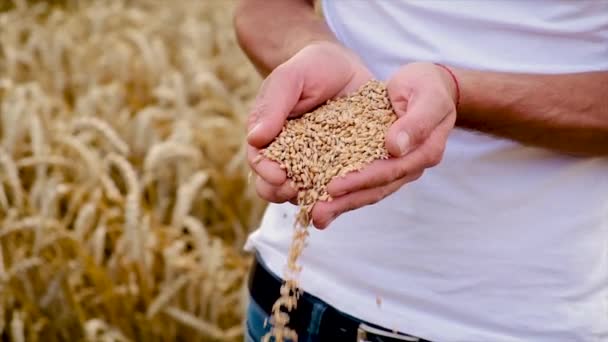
x=124, y=197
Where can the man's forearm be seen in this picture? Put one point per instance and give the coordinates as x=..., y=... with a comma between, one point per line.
x=567, y=113
x=271, y=31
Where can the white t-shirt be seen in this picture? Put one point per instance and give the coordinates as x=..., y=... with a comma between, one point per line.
x=499, y=242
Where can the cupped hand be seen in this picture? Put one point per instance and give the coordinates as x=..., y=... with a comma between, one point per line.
x=317, y=73
x=423, y=96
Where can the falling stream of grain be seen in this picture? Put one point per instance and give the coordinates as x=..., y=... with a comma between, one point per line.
x=339, y=137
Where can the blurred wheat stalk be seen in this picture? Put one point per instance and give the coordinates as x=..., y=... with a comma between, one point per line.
x=124, y=202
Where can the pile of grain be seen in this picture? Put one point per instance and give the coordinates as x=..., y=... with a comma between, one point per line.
x=339, y=137
x=122, y=169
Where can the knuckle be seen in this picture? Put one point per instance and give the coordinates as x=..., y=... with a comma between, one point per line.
x=327, y=220
x=389, y=189
x=351, y=204
x=434, y=154
x=274, y=199
x=263, y=194
x=265, y=191
x=285, y=192
x=402, y=170
x=283, y=71
x=396, y=172
x=253, y=159
x=433, y=161
x=413, y=177
x=380, y=194
x=418, y=133
x=257, y=112
x=321, y=222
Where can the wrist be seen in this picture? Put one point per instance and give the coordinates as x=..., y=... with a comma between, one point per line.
x=453, y=81
x=266, y=54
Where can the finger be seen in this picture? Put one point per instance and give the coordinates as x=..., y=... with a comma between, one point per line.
x=323, y=213
x=335, y=76
x=317, y=73
x=274, y=194
x=277, y=97
x=420, y=111
x=382, y=172
x=267, y=169
x=377, y=173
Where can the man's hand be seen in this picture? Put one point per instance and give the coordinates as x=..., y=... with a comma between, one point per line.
x=423, y=96
x=318, y=72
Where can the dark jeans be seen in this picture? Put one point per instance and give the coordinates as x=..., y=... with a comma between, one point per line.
x=318, y=318
x=256, y=318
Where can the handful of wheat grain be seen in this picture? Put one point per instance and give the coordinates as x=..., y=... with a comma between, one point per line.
x=337, y=138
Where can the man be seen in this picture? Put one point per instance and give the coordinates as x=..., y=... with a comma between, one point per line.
x=490, y=222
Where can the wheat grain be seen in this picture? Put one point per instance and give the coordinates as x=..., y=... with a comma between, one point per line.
x=17, y=327
x=206, y=328
x=97, y=243
x=166, y=294
x=53, y=191
x=12, y=175
x=110, y=189
x=49, y=160
x=21, y=267
x=104, y=129
x=88, y=155
x=2, y=306
x=85, y=220
x=168, y=151
x=38, y=147
x=199, y=234
x=4, y=204
x=132, y=209
x=97, y=330
x=185, y=196
x=52, y=291
x=29, y=223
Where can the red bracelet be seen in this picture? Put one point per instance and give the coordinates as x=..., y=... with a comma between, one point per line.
x=455, y=82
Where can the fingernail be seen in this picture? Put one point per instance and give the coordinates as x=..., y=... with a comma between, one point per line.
x=403, y=142
x=254, y=130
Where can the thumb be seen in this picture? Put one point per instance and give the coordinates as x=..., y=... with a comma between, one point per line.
x=419, y=114
x=398, y=141
x=278, y=96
